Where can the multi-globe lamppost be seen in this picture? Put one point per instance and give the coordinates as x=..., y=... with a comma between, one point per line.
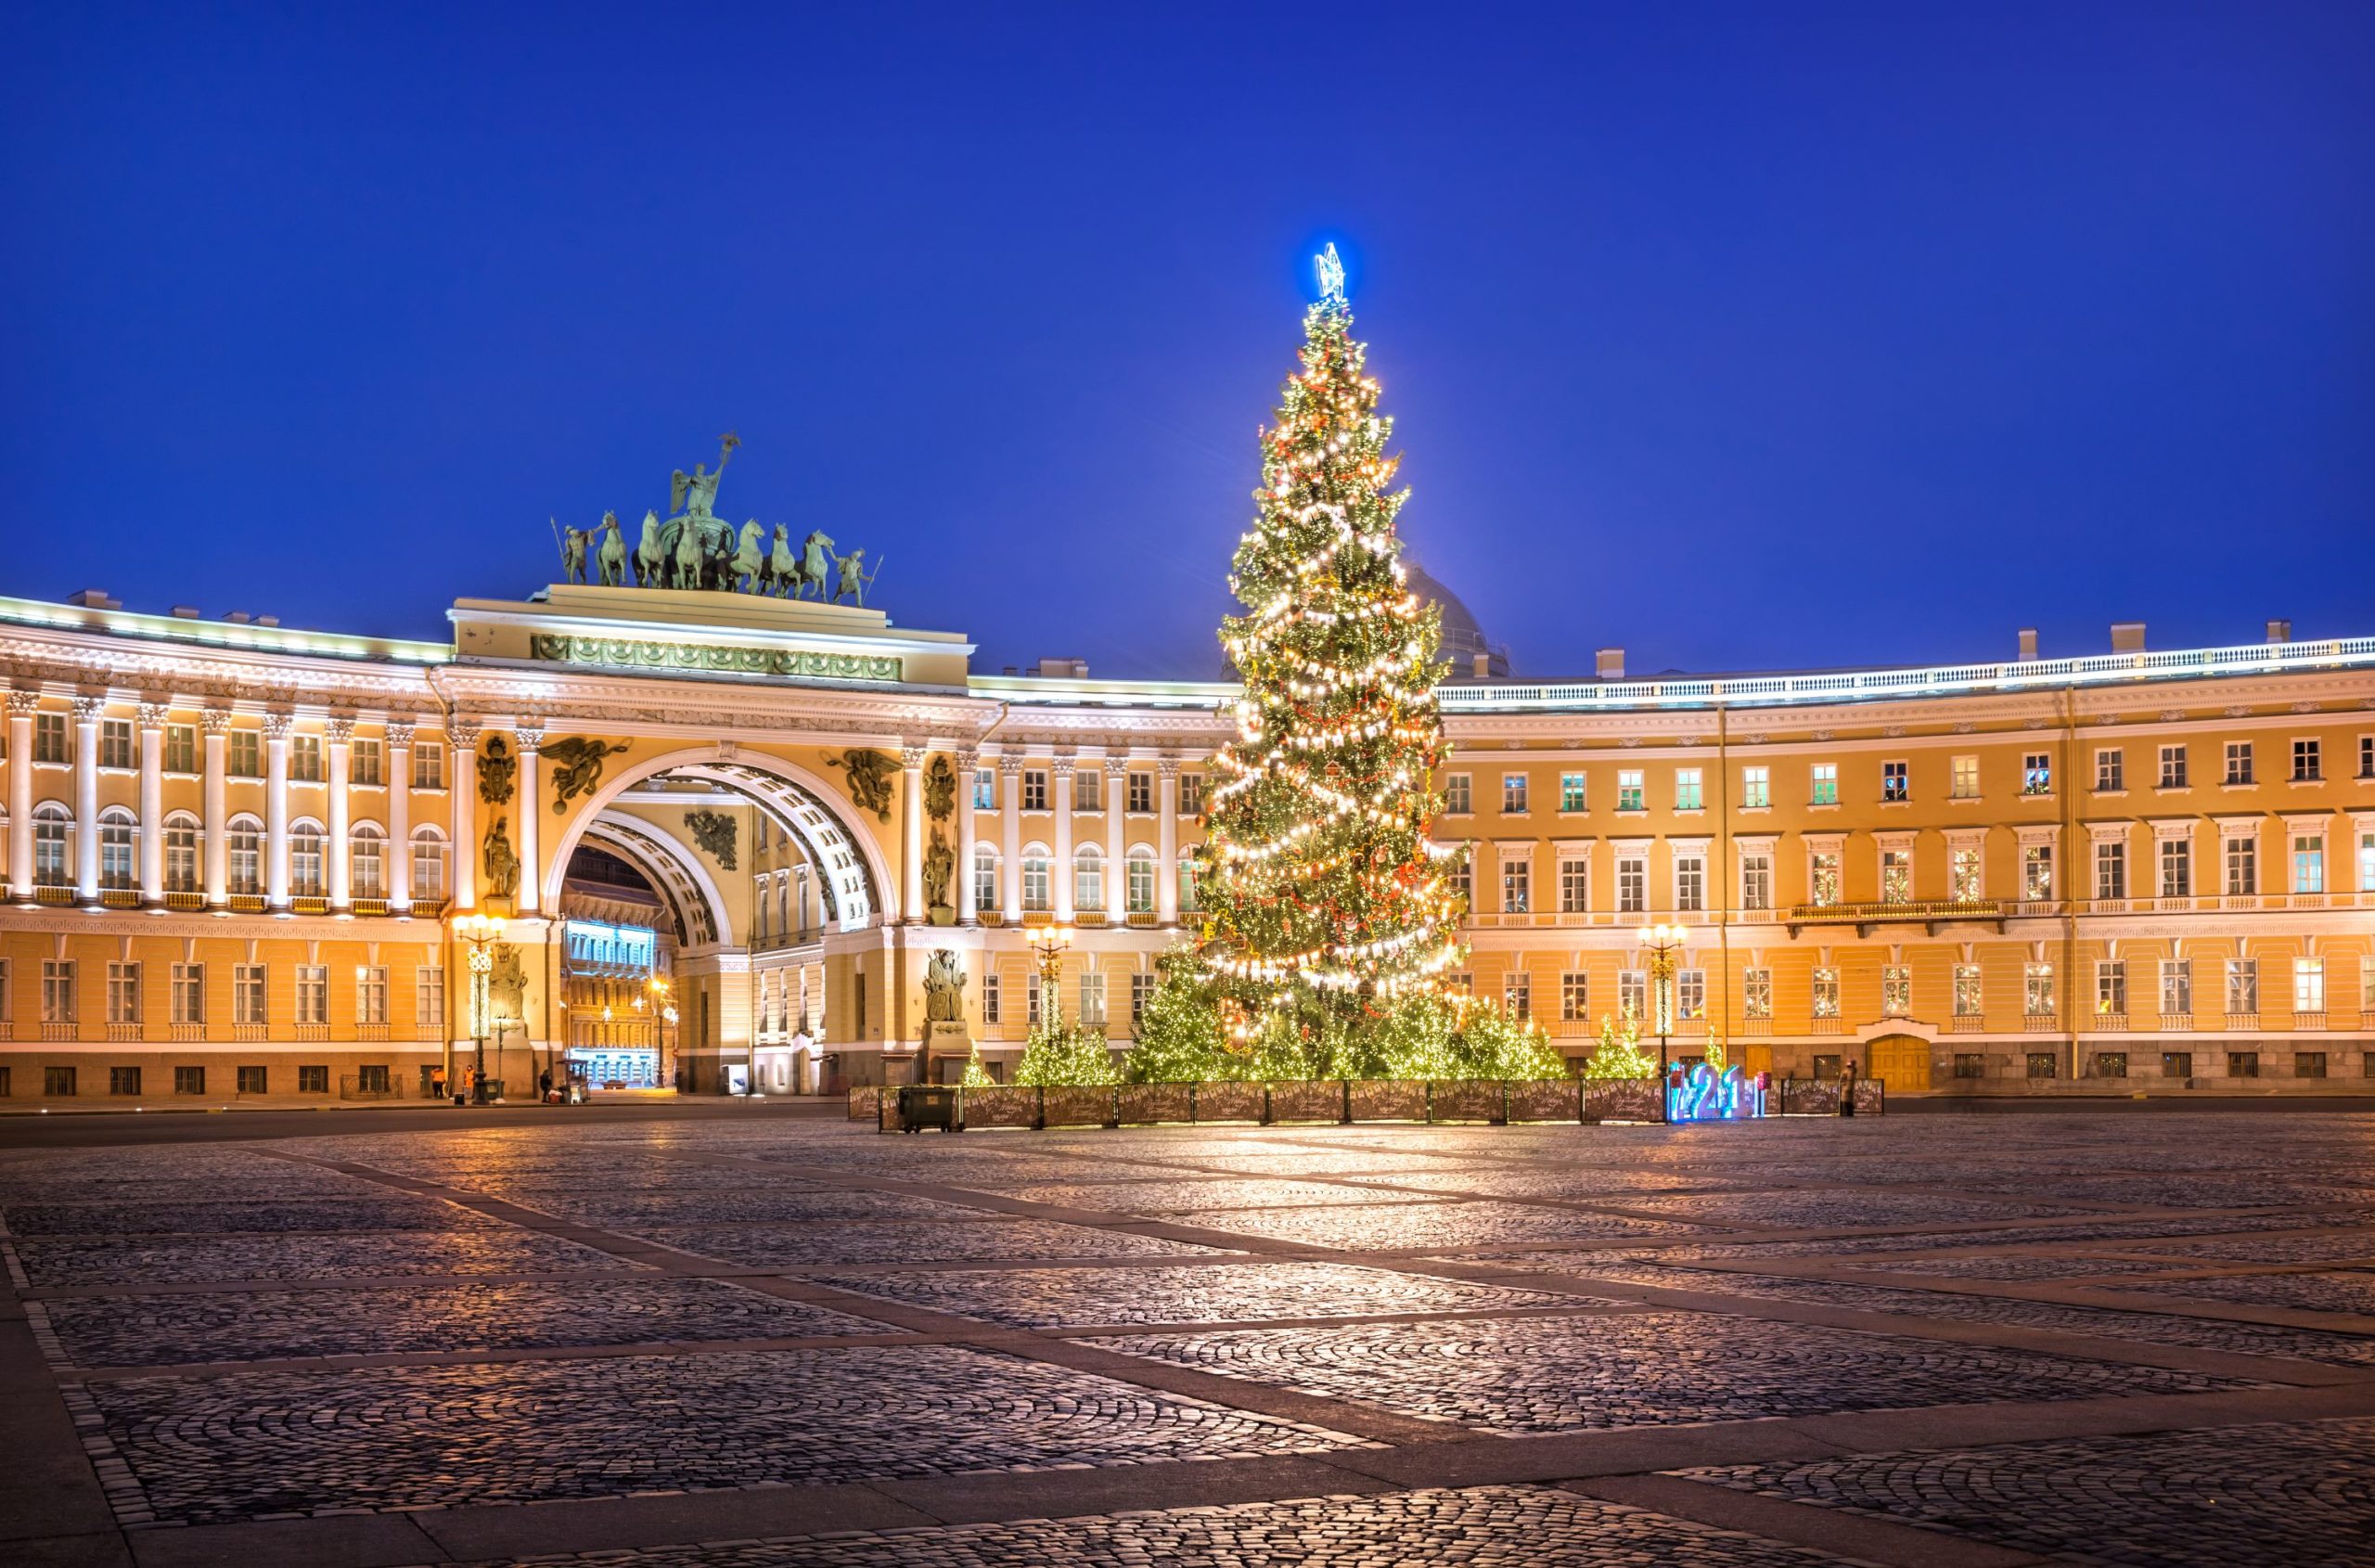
x=1664, y=942
x=1051, y=949
x=480, y=932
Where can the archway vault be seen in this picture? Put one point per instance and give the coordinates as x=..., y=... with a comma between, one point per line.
x=674, y=872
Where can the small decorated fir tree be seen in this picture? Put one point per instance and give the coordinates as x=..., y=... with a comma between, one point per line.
x=1620, y=1054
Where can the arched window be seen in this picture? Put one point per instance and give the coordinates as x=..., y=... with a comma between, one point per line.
x=1139, y=889
x=119, y=840
x=1188, y=898
x=182, y=838
x=366, y=857
x=246, y=839
x=1089, y=878
x=1035, y=878
x=427, y=863
x=53, y=825
x=305, y=842
x=985, y=877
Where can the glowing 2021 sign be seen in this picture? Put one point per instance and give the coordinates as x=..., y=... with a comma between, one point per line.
x=1701, y=1093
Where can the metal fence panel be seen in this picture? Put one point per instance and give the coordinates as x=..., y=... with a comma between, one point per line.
x=1389, y=1099
x=1547, y=1100
x=1158, y=1102
x=1229, y=1102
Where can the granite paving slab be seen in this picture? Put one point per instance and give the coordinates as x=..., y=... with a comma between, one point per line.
x=749, y=1205
x=921, y=1241
x=1840, y=1209
x=2351, y=1291
x=297, y=1256
x=1168, y=1198
x=1384, y=1226
x=373, y=1210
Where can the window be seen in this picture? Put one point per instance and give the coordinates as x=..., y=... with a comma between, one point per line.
x=1513, y=794
x=1088, y=877
x=1689, y=880
x=1034, y=788
x=363, y=861
x=1756, y=788
x=1142, y=993
x=57, y=1081
x=1690, y=993
x=185, y=994
x=1458, y=880
x=371, y=993
x=190, y=1080
x=2243, y=985
x=985, y=789
x=2308, y=863
x=313, y=994
x=50, y=744
x=50, y=826
x=429, y=998
x=306, y=759
x=254, y=1080
x=1088, y=788
x=1688, y=795
x=1570, y=793
x=2036, y=774
x=1756, y=880
x=124, y=993
x=1965, y=881
x=2308, y=1064
x=1633, y=992
x=1826, y=784
x=2308, y=985
x=1825, y=992
x=1826, y=1067
x=985, y=877
x=1192, y=795
x=247, y=755
x=181, y=853
x=1968, y=999
x=1517, y=886
x=2239, y=762
x=1092, y=999
x=2111, y=869
x=1137, y=889
x=2307, y=767
x=2037, y=990
x=312, y=1080
x=1030, y=999
x=305, y=860
x=58, y=991
x=124, y=1080
x=1896, y=990
x=429, y=764
x=246, y=861
x=1971, y=1064
x=1516, y=993
x=2111, y=771
x=2243, y=867
x=119, y=833
x=1963, y=778
x=363, y=764
x=2110, y=987
x=1822, y=877
x=1896, y=875
x=1631, y=883
x=991, y=1001
x=1630, y=795
x=1574, y=998
x=2176, y=868
x=246, y=994
x=2367, y=756
x=1756, y=993
x=181, y=748
x=2036, y=871
x=1140, y=793
x=2110, y=1064
x=2242, y=1064
x=1895, y=785
x=428, y=863
x=2045, y=1064
x=2366, y=990
x=2176, y=987
x=115, y=743
x=1035, y=879
x=1574, y=884
x=1456, y=797
x=2173, y=767
x=2367, y=862
x=2177, y=1064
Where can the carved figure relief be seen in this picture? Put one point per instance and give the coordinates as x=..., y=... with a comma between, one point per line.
x=940, y=871
x=500, y=861
x=939, y=789
x=869, y=776
x=577, y=767
x=497, y=770
x=713, y=831
x=944, y=988
x=506, y=985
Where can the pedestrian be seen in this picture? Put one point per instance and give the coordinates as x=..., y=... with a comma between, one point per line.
x=545, y=1086
x=1847, y=1089
x=436, y=1081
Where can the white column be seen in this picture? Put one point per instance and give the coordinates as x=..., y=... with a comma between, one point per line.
x=464, y=789
x=152, y=803
x=1117, y=882
x=399, y=869
x=530, y=739
x=911, y=835
x=968, y=905
x=275, y=810
x=1062, y=802
x=218, y=842
x=86, y=797
x=339, y=744
x=1166, y=864
x=21, y=794
x=1010, y=826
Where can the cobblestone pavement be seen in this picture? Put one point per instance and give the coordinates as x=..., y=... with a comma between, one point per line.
x=2296, y=1493
x=657, y=1324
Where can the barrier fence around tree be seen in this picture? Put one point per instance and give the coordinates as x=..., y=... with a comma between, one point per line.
x=1344, y=1101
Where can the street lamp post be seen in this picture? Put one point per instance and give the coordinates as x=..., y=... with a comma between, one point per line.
x=1664, y=942
x=480, y=932
x=663, y=1012
x=1051, y=949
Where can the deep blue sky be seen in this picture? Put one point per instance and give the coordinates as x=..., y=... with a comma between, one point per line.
x=1785, y=336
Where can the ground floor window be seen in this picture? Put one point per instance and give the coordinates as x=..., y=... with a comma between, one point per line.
x=372, y=1080
x=252, y=1080
x=2242, y=1064
x=190, y=1080
x=57, y=1081
x=2110, y=1064
x=124, y=1080
x=1971, y=1064
x=312, y=1080
x=2045, y=1064
x=1825, y=1067
x=2177, y=1064
x=2308, y=1064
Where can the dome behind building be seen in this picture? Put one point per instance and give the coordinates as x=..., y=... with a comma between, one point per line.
x=1463, y=638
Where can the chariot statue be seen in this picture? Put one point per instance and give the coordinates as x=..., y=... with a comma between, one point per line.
x=695, y=543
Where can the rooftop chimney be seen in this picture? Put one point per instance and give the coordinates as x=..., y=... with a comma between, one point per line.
x=2028, y=645
x=2279, y=631
x=1482, y=663
x=268, y=620
x=185, y=612
x=1609, y=663
x=1061, y=669
x=2127, y=636
x=237, y=617
x=95, y=598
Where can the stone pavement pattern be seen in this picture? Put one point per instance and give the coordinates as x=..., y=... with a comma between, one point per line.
x=2130, y=1339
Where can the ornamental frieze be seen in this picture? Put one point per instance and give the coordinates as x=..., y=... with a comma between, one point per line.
x=624, y=653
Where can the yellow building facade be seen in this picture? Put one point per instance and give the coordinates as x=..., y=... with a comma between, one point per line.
x=241, y=862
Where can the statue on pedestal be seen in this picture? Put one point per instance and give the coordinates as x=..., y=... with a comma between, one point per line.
x=943, y=989
x=501, y=862
x=940, y=874
x=612, y=562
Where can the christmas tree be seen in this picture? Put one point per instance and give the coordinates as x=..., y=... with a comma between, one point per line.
x=1329, y=916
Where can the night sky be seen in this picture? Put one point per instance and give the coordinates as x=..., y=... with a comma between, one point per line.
x=1779, y=338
